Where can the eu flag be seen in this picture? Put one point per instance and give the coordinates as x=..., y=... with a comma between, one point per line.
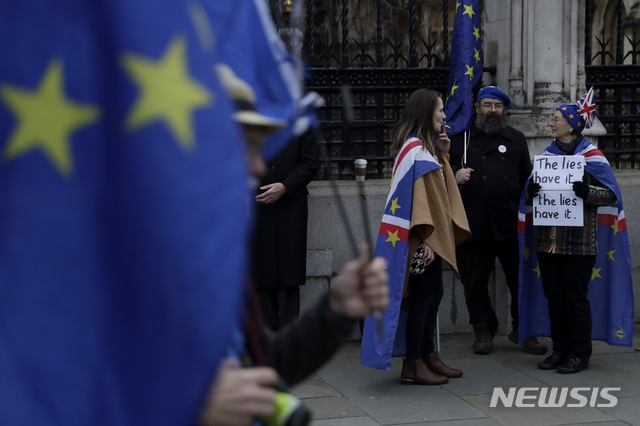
x=610, y=288
x=411, y=163
x=122, y=216
x=248, y=42
x=466, y=65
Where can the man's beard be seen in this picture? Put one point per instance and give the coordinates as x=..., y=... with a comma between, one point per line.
x=491, y=124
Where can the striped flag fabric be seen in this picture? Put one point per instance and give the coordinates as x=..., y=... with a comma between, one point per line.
x=411, y=163
x=610, y=288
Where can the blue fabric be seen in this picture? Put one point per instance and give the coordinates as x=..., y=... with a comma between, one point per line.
x=249, y=43
x=410, y=164
x=465, y=70
x=123, y=221
x=494, y=92
x=610, y=288
x=572, y=114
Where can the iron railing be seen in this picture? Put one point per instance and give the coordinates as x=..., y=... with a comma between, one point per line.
x=614, y=73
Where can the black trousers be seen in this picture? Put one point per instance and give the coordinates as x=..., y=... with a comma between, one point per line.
x=280, y=306
x=475, y=262
x=426, y=294
x=565, y=281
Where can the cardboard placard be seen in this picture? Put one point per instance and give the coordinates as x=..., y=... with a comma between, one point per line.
x=556, y=203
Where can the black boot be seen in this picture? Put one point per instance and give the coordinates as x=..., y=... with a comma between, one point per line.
x=484, y=338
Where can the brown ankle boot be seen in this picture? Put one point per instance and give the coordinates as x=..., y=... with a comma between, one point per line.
x=436, y=365
x=416, y=372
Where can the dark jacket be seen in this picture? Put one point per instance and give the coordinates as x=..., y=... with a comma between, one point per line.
x=300, y=348
x=279, y=249
x=492, y=194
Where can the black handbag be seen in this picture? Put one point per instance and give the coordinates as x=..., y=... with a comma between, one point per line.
x=418, y=266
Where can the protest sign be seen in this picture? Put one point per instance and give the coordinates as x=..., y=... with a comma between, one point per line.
x=557, y=204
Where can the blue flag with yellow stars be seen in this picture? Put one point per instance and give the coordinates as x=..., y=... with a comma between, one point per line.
x=123, y=214
x=411, y=163
x=465, y=70
x=244, y=29
x=611, y=287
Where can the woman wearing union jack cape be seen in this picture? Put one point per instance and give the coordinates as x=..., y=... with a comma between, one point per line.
x=423, y=214
x=583, y=272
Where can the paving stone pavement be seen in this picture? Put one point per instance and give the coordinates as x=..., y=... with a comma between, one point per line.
x=345, y=393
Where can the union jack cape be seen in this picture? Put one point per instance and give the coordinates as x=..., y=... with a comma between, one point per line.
x=411, y=163
x=610, y=288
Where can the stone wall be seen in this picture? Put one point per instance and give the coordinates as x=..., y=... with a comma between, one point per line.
x=328, y=247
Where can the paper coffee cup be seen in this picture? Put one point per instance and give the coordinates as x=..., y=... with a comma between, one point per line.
x=361, y=169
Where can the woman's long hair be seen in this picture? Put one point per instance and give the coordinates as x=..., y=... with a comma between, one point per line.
x=417, y=118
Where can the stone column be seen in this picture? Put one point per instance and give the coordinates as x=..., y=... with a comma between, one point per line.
x=540, y=59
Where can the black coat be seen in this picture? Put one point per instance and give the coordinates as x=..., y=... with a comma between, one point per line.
x=492, y=194
x=279, y=249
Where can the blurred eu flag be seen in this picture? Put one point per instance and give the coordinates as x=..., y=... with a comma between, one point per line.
x=122, y=216
x=466, y=65
x=248, y=41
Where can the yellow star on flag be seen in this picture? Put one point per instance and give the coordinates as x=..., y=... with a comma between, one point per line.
x=476, y=32
x=46, y=118
x=570, y=115
x=476, y=55
x=537, y=270
x=457, y=6
x=564, y=108
x=167, y=92
x=453, y=88
x=469, y=72
x=595, y=273
x=526, y=252
x=393, y=237
x=615, y=227
x=610, y=254
x=468, y=10
x=394, y=206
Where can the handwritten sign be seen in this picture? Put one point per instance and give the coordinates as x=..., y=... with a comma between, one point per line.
x=556, y=203
x=557, y=173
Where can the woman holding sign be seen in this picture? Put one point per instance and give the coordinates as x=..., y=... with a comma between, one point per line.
x=566, y=254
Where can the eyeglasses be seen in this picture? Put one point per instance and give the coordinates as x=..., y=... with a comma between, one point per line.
x=556, y=120
x=489, y=107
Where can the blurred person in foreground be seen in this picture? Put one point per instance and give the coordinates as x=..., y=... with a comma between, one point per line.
x=241, y=395
x=491, y=163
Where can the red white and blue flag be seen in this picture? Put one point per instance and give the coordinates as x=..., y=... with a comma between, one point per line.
x=610, y=288
x=586, y=108
x=410, y=164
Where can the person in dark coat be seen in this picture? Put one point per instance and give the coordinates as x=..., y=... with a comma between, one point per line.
x=492, y=164
x=279, y=250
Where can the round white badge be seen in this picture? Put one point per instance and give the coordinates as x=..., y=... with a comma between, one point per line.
x=502, y=149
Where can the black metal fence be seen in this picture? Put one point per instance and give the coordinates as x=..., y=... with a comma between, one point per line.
x=406, y=48
x=612, y=69
x=381, y=67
